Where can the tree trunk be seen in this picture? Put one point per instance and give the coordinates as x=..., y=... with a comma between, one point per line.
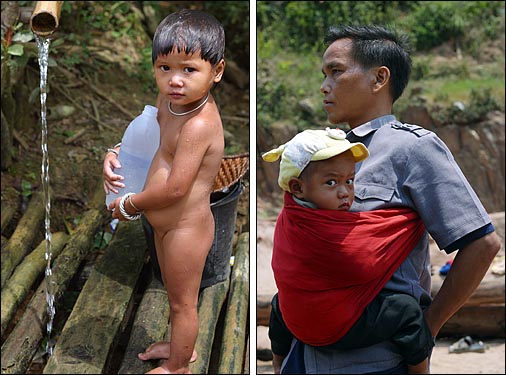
x=490, y=291
x=6, y=136
x=235, y=327
x=482, y=321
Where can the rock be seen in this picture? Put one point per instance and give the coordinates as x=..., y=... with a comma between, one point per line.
x=235, y=75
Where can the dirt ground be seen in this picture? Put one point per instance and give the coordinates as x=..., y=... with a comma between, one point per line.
x=442, y=362
x=492, y=361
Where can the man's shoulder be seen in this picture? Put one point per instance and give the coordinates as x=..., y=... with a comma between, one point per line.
x=410, y=129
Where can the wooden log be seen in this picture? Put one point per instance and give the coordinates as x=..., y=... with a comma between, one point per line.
x=99, y=314
x=8, y=211
x=21, y=240
x=235, y=327
x=490, y=291
x=482, y=321
x=25, y=275
x=25, y=338
x=210, y=303
x=149, y=326
x=263, y=309
x=246, y=369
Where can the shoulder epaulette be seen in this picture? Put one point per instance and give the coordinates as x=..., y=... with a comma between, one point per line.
x=415, y=129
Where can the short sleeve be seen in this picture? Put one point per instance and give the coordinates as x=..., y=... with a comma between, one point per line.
x=441, y=194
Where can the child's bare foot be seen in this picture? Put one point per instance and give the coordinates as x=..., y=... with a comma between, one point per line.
x=160, y=350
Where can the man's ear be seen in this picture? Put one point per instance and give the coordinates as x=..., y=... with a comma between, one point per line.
x=296, y=187
x=218, y=71
x=381, y=78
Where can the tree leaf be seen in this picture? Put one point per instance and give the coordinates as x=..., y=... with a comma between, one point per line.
x=16, y=50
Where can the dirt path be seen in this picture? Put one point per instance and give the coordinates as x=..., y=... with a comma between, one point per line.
x=490, y=362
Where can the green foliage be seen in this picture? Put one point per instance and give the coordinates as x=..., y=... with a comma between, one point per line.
x=301, y=25
x=434, y=22
x=15, y=55
x=279, y=98
x=480, y=103
x=420, y=68
x=26, y=188
x=101, y=240
x=289, y=50
x=234, y=16
x=121, y=17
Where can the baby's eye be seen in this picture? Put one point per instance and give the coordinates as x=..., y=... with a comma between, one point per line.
x=164, y=68
x=189, y=70
x=349, y=181
x=331, y=182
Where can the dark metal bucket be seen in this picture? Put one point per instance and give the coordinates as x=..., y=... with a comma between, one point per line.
x=217, y=267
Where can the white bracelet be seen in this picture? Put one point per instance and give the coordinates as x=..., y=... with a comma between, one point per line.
x=122, y=208
x=113, y=151
x=117, y=145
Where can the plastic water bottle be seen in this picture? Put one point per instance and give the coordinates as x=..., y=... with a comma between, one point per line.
x=138, y=146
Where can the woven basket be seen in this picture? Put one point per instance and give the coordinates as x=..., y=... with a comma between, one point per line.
x=232, y=169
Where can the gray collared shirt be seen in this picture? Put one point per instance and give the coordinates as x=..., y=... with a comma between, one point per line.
x=412, y=167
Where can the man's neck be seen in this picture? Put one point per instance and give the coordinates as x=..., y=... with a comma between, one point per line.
x=370, y=118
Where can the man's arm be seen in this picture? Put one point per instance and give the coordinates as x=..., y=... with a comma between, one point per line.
x=468, y=269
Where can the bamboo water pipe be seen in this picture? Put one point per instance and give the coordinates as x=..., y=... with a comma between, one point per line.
x=45, y=17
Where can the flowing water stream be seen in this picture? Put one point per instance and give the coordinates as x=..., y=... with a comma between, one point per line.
x=43, y=47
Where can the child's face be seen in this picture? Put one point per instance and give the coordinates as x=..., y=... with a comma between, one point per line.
x=185, y=79
x=329, y=183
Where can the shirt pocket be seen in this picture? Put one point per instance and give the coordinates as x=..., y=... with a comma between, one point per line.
x=374, y=193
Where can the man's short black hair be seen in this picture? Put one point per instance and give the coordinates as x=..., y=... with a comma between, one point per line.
x=374, y=46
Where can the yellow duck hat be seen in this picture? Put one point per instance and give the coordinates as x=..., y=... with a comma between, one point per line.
x=311, y=145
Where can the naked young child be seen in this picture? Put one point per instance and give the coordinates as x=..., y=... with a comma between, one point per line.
x=188, y=50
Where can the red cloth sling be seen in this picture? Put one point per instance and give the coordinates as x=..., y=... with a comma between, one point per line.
x=329, y=265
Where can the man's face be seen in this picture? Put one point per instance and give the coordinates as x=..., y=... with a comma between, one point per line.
x=347, y=87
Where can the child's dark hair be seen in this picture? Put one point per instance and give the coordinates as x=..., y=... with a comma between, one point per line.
x=376, y=46
x=190, y=31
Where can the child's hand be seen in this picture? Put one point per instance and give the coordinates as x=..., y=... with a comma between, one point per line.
x=114, y=207
x=112, y=181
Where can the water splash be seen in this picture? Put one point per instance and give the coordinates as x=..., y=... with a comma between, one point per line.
x=43, y=46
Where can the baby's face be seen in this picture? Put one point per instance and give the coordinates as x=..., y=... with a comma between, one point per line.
x=330, y=183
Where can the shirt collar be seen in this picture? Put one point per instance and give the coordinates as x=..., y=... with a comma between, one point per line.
x=304, y=203
x=371, y=126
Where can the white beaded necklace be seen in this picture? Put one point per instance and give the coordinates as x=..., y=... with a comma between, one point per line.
x=193, y=110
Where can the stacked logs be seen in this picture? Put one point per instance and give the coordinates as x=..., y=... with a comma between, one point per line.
x=121, y=309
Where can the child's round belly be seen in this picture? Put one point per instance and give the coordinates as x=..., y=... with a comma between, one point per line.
x=183, y=214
